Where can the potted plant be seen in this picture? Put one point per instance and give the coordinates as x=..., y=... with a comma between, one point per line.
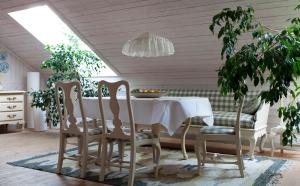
x=66, y=62
x=271, y=58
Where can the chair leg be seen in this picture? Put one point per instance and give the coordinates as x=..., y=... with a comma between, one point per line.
x=103, y=159
x=65, y=144
x=281, y=146
x=121, y=153
x=240, y=159
x=156, y=156
x=253, y=141
x=132, y=165
x=61, y=153
x=99, y=152
x=154, y=152
x=183, y=136
x=262, y=142
x=80, y=146
x=273, y=146
x=111, y=149
x=243, y=165
x=84, y=157
x=197, y=152
x=203, y=143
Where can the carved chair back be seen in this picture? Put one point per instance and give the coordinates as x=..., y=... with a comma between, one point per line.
x=68, y=95
x=114, y=106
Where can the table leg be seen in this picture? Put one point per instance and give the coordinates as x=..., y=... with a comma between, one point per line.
x=281, y=146
x=273, y=146
x=262, y=143
x=184, y=132
x=156, y=129
x=95, y=123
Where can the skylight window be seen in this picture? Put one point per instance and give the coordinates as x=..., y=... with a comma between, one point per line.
x=49, y=29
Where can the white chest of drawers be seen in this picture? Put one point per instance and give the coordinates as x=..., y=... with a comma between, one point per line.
x=12, y=108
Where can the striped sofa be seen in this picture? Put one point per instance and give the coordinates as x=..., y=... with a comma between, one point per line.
x=253, y=118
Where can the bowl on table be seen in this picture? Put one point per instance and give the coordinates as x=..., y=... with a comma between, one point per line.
x=141, y=93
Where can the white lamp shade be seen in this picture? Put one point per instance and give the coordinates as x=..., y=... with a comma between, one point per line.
x=148, y=45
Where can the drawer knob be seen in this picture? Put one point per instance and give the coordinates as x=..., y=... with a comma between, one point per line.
x=12, y=106
x=11, y=98
x=11, y=116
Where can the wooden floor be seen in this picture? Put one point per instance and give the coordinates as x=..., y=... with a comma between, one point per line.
x=15, y=146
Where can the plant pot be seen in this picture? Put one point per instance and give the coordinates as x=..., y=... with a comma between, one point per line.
x=40, y=123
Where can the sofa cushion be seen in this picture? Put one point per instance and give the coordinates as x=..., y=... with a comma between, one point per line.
x=216, y=99
x=252, y=105
x=196, y=121
x=228, y=119
x=217, y=130
x=141, y=135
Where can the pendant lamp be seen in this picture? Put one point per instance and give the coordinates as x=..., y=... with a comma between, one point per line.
x=148, y=45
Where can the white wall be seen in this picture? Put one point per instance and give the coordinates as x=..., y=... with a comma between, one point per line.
x=15, y=78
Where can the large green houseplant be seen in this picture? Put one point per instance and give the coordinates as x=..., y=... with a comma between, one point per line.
x=271, y=58
x=66, y=62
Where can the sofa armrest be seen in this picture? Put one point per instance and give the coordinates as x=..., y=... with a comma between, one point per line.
x=261, y=115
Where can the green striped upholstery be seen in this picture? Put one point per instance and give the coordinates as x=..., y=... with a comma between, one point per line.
x=252, y=105
x=223, y=106
x=142, y=135
x=228, y=119
x=94, y=131
x=217, y=101
x=145, y=135
x=91, y=131
x=89, y=122
x=217, y=130
x=195, y=121
x=222, y=118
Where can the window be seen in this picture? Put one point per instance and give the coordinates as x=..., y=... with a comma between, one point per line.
x=49, y=29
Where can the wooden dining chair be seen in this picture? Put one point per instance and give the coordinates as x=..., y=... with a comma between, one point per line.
x=132, y=137
x=68, y=94
x=220, y=134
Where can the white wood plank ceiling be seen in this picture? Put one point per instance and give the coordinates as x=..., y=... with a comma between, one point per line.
x=107, y=24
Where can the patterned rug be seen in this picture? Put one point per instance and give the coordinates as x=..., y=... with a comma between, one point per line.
x=174, y=170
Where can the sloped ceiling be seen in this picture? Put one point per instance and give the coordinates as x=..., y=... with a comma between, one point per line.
x=107, y=24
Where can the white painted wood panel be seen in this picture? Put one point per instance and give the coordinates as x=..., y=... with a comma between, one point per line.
x=15, y=78
x=11, y=98
x=11, y=116
x=7, y=107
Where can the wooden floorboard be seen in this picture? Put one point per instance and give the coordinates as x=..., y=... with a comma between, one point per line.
x=16, y=146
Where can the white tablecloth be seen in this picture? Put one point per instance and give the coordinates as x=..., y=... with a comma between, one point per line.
x=168, y=111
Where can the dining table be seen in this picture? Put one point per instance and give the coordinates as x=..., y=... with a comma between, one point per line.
x=170, y=112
